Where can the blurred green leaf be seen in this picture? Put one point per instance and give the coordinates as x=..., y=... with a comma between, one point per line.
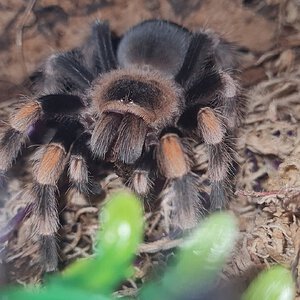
x=200, y=259
x=121, y=233
x=53, y=292
x=274, y=284
x=96, y=278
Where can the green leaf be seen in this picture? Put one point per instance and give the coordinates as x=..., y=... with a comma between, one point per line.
x=122, y=227
x=200, y=259
x=274, y=284
x=56, y=292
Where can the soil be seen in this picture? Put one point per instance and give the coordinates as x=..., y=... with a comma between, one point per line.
x=266, y=33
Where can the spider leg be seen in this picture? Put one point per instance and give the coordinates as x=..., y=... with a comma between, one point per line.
x=123, y=134
x=80, y=170
x=182, y=186
x=217, y=128
x=221, y=172
x=129, y=144
x=221, y=124
x=140, y=181
x=143, y=175
x=76, y=69
x=15, y=133
x=48, y=165
x=212, y=95
x=220, y=155
x=105, y=132
x=78, y=167
x=231, y=101
x=98, y=51
x=60, y=76
x=62, y=73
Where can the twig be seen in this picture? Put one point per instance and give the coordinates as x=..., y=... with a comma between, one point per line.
x=160, y=245
x=77, y=237
x=84, y=210
x=267, y=193
x=19, y=35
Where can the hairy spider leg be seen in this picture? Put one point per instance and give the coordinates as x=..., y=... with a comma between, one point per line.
x=14, y=134
x=208, y=97
x=182, y=188
x=81, y=163
x=48, y=165
x=59, y=75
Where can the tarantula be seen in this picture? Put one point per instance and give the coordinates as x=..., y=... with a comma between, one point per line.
x=138, y=103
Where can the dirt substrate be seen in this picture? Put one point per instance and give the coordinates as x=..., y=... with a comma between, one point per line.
x=268, y=182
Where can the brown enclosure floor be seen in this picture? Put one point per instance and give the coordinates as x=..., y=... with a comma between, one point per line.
x=268, y=183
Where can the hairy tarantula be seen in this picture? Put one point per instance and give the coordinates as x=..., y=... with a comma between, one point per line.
x=138, y=103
